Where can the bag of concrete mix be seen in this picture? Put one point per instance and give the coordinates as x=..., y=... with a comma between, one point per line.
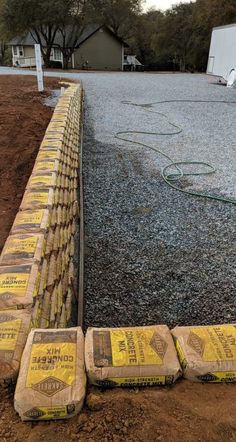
x=60, y=132
x=133, y=356
x=18, y=286
x=51, y=143
x=52, y=381
x=46, y=166
x=57, y=126
x=14, y=329
x=41, y=180
x=28, y=221
x=23, y=249
x=207, y=353
x=37, y=199
x=49, y=154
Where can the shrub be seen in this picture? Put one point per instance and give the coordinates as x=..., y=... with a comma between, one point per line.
x=55, y=64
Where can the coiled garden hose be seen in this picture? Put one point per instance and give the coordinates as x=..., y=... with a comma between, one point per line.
x=168, y=176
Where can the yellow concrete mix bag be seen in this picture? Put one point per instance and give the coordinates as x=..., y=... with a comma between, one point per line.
x=18, y=286
x=37, y=199
x=56, y=130
x=207, y=353
x=52, y=381
x=49, y=154
x=40, y=180
x=46, y=166
x=23, y=249
x=139, y=356
x=14, y=329
x=52, y=143
x=31, y=221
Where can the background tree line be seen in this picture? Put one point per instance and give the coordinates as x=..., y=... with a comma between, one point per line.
x=177, y=39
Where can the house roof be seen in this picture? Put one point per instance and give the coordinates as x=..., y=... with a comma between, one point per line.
x=90, y=30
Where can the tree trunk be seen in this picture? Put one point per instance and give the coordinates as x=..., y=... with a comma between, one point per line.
x=2, y=52
x=67, y=54
x=66, y=59
x=46, y=57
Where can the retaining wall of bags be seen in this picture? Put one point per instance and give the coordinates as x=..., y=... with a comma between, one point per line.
x=37, y=274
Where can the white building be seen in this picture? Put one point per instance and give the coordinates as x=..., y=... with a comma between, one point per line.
x=222, y=55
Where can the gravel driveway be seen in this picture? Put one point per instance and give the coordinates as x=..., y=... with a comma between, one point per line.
x=155, y=255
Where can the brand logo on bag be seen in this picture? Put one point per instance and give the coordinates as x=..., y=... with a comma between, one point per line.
x=208, y=377
x=34, y=413
x=6, y=296
x=196, y=343
x=50, y=386
x=158, y=345
x=6, y=318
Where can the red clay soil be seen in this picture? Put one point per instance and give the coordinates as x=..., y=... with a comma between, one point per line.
x=23, y=121
x=185, y=412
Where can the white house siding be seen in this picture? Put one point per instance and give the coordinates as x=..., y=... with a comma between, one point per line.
x=28, y=59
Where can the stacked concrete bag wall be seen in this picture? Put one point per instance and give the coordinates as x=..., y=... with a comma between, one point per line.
x=36, y=265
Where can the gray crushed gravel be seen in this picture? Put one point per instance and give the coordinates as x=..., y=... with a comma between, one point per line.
x=52, y=100
x=154, y=255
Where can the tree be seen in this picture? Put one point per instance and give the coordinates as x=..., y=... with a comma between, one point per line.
x=175, y=34
x=3, y=38
x=206, y=15
x=45, y=19
x=75, y=17
x=181, y=35
x=144, y=41
x=39, y=18
x=119, y=15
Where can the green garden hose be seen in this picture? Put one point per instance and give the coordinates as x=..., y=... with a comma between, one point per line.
x=168, y=176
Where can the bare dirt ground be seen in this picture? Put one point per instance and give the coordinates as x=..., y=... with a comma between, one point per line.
x=186, y=412
x=23, y=121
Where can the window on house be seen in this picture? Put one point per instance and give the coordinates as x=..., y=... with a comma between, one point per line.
x=14, y=50
x=21, y=51
x=57, y=54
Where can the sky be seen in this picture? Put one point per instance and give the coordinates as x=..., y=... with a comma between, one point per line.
x=162, y=4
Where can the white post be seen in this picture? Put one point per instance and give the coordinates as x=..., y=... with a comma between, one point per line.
x=38, y=59
x=123, y=57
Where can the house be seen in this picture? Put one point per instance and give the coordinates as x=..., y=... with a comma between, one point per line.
x=98, y=48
